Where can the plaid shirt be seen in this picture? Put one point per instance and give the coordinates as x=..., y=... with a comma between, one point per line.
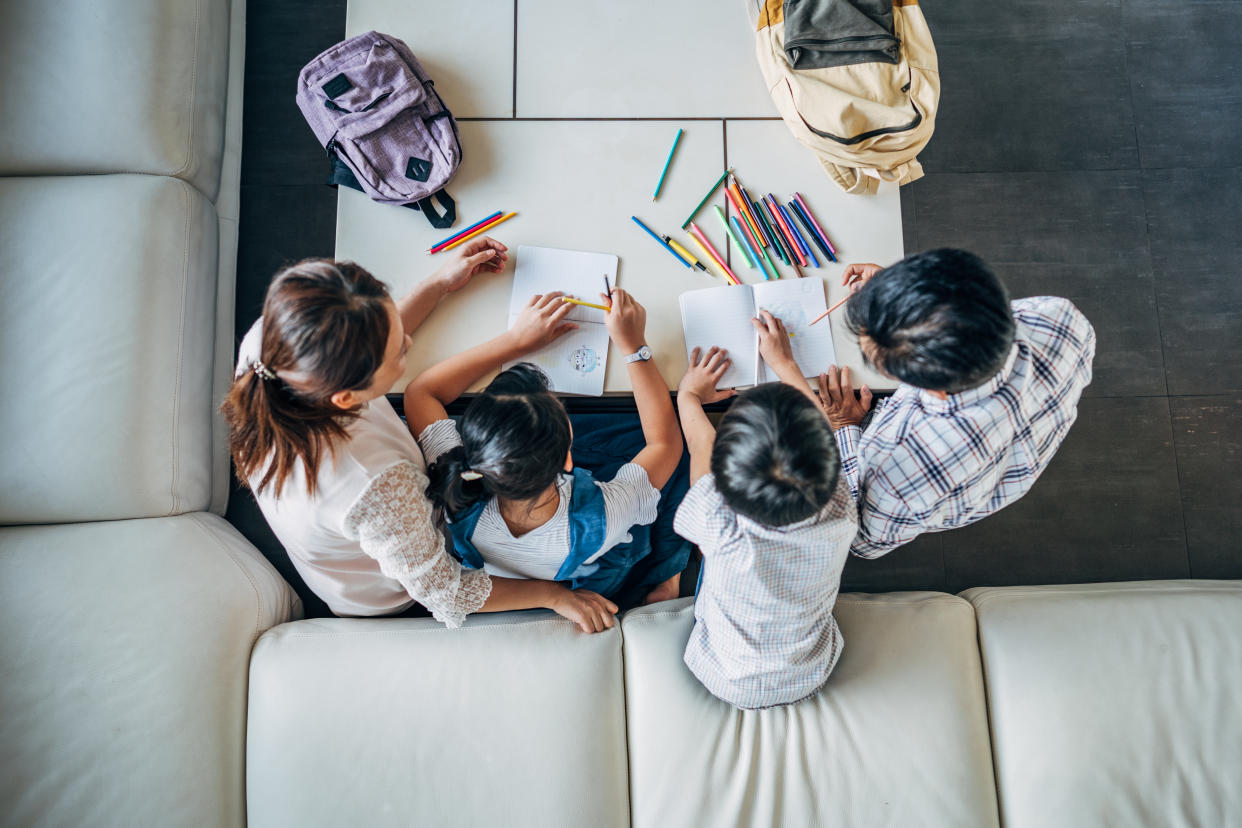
x=926, y=464
x=763, y=628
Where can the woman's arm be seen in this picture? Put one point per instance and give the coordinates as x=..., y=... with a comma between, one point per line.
x=541, y=321
x=698, y=387
x=475, y=256
x=626, y=323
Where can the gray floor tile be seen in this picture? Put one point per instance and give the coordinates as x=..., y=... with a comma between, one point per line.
x=1106, y=509
x=918, y=565
x=908, y=221
x=1031, y=85
x=1208, y=434
x=1029, y=218
x=1186, y=79
x=1195, y=226
x=1120, y=301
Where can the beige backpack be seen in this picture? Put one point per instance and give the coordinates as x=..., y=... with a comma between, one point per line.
x=867, y=119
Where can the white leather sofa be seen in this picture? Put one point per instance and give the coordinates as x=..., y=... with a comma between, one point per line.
x=132, y=689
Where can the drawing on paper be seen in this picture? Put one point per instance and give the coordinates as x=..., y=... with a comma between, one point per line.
x=584, y=360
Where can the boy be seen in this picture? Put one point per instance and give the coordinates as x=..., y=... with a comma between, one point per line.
x=774, y=521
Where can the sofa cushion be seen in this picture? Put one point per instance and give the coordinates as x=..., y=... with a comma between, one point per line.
x=107, y=326
x=516, y=719
x=106, y=86
x=898, y=735
x=123, y=667
x=1115, y=704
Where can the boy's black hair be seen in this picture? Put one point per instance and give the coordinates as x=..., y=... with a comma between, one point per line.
x=515, y=434
x=939, y=320
x=775, y=459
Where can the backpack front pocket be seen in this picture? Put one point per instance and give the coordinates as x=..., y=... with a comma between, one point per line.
x=399, y=160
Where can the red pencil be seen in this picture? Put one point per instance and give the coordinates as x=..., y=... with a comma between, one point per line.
x=440, y=245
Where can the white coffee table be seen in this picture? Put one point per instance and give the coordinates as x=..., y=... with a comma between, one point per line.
x=575, y=179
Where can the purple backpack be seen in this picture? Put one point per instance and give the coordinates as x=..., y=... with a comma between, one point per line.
x=386, y=131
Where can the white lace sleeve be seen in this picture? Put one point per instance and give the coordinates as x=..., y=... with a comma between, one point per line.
x=392, y=520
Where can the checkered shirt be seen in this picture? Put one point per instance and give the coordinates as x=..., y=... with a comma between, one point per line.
x=763, y=628
x=926, y=464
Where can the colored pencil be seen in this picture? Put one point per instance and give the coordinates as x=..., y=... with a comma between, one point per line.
x=810, y=231
x=584, y=304
x=740, y=205
x=779, y=219
x=664, y=172
x=767, y=229
x=607, y=287
x=684, y=253
x=694, y=212
x=830, y=310
x=435, y=248
x=706, y=255
x=663, y=244
x=736, y=241
x=737, y=226
x=754, y=211
x=736, y=201
x=771, y=267
x=793, y=228
x=818, y=229
x=702, y=237
x=483, y=229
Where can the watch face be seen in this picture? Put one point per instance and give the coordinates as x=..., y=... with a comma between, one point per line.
x=644, y=352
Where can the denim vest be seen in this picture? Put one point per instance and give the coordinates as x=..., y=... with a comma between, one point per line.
x=587, y=528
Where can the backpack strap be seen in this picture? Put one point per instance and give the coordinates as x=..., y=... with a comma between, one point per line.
x=340, y=175
x=439, y=221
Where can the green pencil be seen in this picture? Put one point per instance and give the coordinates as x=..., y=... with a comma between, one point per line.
x=695, y=211
x=736, y=241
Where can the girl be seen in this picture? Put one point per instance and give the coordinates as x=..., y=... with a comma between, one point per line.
x=518, y=505
x=333, y=469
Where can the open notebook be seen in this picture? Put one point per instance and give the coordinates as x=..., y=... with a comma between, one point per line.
x=721, y=317
x=575, y=363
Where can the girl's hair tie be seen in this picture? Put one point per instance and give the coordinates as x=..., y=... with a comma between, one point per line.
x=470, y=474
x=262, y=370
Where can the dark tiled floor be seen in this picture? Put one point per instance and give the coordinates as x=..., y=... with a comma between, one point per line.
x=1087, y=148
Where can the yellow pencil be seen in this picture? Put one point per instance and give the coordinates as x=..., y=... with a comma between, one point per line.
x=585, y=304
x=485, y=228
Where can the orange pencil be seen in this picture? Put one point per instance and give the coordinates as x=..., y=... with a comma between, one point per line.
x=830, y=310
x=750, y=217
x=482, y=229
x=741, y=212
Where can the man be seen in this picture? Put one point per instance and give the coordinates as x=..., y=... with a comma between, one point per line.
x=988, y=391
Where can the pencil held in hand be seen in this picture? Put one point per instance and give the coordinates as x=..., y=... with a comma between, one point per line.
x=585, y=304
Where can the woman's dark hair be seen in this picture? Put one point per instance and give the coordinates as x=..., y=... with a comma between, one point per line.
x=939, y=320
x=515, y=435
x=325, y=329
x=775, y=459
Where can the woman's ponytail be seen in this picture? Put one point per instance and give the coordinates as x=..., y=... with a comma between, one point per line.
x=447, y=488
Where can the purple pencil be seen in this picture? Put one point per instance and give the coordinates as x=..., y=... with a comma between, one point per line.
x=802, y=203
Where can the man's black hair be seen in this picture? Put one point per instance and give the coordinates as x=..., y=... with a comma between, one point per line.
x=775, y=459
x=938, y=320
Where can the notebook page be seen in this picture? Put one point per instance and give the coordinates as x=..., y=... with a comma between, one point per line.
x=796, y=302
x=721, y=317
x=573, y=272
x=575, y=362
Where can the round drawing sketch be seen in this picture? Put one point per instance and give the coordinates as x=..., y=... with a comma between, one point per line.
x=583, y=360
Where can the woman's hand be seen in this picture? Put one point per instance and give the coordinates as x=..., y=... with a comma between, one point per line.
x=774, y=344
x=479, y=254
x=590, y=611
x=703, y=375
x=626, y=321
x=541, y=321
x=836, y=398
x=856, y=275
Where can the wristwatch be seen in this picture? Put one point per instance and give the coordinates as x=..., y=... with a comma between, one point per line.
x=641, y=355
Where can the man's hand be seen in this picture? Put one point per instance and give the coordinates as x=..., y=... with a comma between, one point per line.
x=774, y=344
x=836, y=399
x=479, y=254
x=626, y=321
x=541, y=321
x=856, y=275
x=704, y=374
x=591, y=612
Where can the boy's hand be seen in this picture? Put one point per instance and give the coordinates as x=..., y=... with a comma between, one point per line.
x=703, y=375
x=774, y=344
x=836, y=398
x=591, y=612
x=856, y=275
x=626, y=321
x=478, y=254
x=541, y=321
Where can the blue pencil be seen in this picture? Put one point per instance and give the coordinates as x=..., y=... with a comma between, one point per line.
x=737, y=228
x=464, y=232
x=796, y=209
x=664, y=171
x=793, y=225
x=663, y=244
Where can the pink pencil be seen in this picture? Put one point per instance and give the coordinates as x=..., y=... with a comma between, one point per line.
x=830, y=310
x=802, y=203
x=698, y=234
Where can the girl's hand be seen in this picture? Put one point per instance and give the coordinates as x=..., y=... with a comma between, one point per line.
x=590, y=611
x=626, y=321
x=541, y=321
x=479, y=254
x=703, y=375
x=774, y=344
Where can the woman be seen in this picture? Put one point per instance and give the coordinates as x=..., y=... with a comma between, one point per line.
x=336, y=473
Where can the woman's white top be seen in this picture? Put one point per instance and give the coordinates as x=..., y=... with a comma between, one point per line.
x=366, y=541
x=629, y=500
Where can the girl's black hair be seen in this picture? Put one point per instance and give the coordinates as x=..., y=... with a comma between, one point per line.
x=939, y=320
x=515, y=434
x=775, y=459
